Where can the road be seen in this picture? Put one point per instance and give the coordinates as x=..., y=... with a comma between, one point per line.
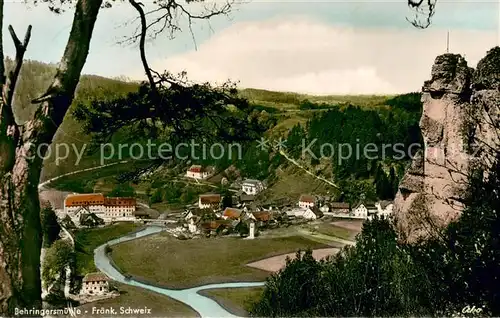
x=41, y=186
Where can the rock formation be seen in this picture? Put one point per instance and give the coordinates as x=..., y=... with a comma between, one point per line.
x=459, y=126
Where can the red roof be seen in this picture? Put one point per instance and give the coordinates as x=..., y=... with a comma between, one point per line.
x=339, y=205
x=212, y=225
x=95, y=277
x=210, y=198
x=84, y=199
x=97, y=199
x=232, y=213
x=307, y=198
x=119, y=201
x=196, y=168
x=263, y=216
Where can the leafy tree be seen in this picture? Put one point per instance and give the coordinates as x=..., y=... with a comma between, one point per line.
x=227, y=200
x=462, y=263
x=68, y=223
x=383, y=185
x=89, y=186
x=294, y=141
x=293, y=289
x=188, y=195
x=108, y=249
x=57, y=257
x=122, y=190
x=381, y=276
x=242, y=228
x=157, y=196
x=50, y=226
x=373, y=278
x=21, y=237
x=394, y=181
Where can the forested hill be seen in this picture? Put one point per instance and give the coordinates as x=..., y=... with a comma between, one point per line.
x=331, y=119
x=35, y=77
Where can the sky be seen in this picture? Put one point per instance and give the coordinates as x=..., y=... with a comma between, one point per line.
x=316, y=47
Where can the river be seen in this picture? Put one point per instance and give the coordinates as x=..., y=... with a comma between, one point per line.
x=205, y=306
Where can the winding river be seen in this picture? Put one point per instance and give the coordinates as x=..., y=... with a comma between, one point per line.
x=205, y=306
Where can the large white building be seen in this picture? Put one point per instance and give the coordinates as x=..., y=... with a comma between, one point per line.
x=252, y=186
x=108, y=209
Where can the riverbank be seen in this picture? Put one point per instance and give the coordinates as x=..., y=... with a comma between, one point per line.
x=188, y=263
x=205, y=306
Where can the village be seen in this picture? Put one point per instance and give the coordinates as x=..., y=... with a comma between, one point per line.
x=242, y=215
x=239, y=215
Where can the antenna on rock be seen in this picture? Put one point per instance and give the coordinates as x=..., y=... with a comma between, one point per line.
x=448, y=42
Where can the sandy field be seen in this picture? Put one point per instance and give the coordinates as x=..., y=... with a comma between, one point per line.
x=351, y=225
x=274, y=264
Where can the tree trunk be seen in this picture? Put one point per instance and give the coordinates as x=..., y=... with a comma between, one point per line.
x=20, y=167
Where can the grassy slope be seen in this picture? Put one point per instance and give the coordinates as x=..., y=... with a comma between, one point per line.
x=136, y=298
x=235, y=300
x=180, y=264
x=87, y=240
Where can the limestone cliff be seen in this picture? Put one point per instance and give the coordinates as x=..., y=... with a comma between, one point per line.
x=459, y=116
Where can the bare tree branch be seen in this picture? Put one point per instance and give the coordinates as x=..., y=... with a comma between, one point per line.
x=170, y=14
x=138, y=7
x=10, y=84
x=421, y=8
x=9, y=131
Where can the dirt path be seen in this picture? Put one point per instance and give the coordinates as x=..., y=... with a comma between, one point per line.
x=275, y=263
x=308, y=234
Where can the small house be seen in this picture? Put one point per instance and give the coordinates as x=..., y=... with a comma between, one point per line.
x=193, y=225
x=187, y=215
x=197, y=172
x=215, y=226
x=95, y=284
x=209, y=201
x=325, y=208
x=252, y=186
x=262, y=217
x=339, y=207
x=232, y=213
x=384, y=208
x=246, y=198
x=304, y=213
x=363, y=210
x=141, y=214
x=307, y=201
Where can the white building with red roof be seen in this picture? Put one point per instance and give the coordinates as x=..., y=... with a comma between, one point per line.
x=108, y=209
x=307, y=201
x=197, y=172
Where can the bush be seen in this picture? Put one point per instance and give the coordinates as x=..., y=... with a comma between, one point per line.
x=108, y=249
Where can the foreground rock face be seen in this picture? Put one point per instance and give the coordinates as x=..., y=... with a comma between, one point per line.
x=460, y=111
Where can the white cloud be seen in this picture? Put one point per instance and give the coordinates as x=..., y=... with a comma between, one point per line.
x=298, y=54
